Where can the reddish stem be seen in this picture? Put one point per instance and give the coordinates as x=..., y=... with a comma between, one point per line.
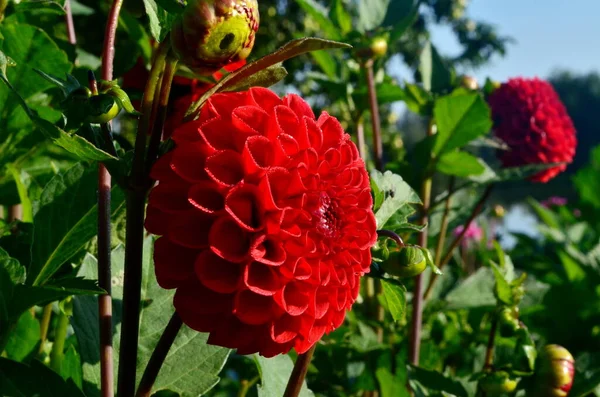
x=377, y=143
x=299, y=373
x=69, y=22
x=104, y=224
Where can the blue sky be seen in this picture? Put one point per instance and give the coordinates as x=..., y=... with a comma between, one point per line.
x=549, y=34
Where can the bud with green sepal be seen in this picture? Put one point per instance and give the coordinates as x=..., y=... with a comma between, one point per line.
x=210, y=34
x=555, y=370
x=508, y=321
x=407, y=262
x=497, y=383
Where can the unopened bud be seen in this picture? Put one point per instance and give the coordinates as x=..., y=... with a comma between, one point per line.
x=555, y=372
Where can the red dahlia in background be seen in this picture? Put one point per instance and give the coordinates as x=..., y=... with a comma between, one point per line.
x=531, y=119
x=266, y=219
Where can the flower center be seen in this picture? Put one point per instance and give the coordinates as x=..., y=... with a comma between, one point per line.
x=328, y=221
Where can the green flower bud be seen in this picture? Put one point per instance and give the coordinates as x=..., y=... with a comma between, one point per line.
x=469, y=82
x=408, y=262
x=555, y=372
x=497, y=383
x=379, y=47
x=499, y=211
x=102, y=109
x=508, y=322
x=212, y=33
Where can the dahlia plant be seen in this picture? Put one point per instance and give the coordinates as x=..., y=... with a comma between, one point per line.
x=181, y=218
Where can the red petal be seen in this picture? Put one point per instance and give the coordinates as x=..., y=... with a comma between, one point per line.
x=299, y=106
x=229, y=241
x=206, y=197
x=285, y=329
x=225, y=167
x=173, y=263
x=191, y=230
x=218, y=274
x=252, y=308
x=268, y=251
x=257, y=155
x=261, y=279
x=265, y=98
x=243, y=204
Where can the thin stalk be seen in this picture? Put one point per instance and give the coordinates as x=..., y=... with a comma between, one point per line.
x=417, y=313
x=299, y=373
x=489, y=351
x=360, y=137
x=45, y=325
x=58, y=347
x=69, y=23
x=134, y=238
x=375, y=118
x=246, y=386
x=163, y=101
x=476, y=210
x=15, y=213
x=158, y=356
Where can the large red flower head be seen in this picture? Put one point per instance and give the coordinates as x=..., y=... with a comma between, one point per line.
x=266, y=219
x=530, y=118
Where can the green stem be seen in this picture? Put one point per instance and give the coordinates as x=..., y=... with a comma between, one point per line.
x=489, y=352
x=247, y=385
x=299, y=373
x=60, y=336
x=134, y=239
x=476, y=210
x=45, y=325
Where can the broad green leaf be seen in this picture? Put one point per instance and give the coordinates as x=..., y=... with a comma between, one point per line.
x=66, y=220
x=387, y=92
x=191, y=367
x=397, y=194
x=401, y=16
x=390, y=385
x=587, y=181
x=11, y=275
x=395, y=298
x=435, y=75
x=371, y=14
x=587, y=383
x=172, y=6
x=26, y=296
x=476, y=291
x=274, y=374
x=503, y=290
x=435, y=381
x=340, y=17
x=290, y=50
x=319, y=14
x=161, y=21
x=46, y=6
x=24, y=338
x=417, y=99
x=460, y=119
x=17, y=379
x=546, y=215
x=265, y=78
x=71, y=367
x=326, y=62
x=459, y=163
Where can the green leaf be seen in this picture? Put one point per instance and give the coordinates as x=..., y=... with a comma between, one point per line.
x=430, y=262
x=274, y=374
x=417, y=99
x=265, y=78
x=435, y=75
x=71, y=367
x=319, y=14
x=371, y=14
x=390, y=385
x=161, y=21
x=395, y=298
x=66, y=220
x=26, y=296
x=503, y=290
x=387, y=92
x=402, y=14
x=326, y=62
x=24, y=337
x=585, y=383
x=397, y=194
x=17, y=379
x=172, y=6
x=11, y=274
x=20, y=177
x=434, y=381
x=546, y=215
x=290, y=50
x=47, y=6
x=476, y=291
x=460, y=119
x=459, y=163
x=183, y=372
x=340, y=17
x=587, y=181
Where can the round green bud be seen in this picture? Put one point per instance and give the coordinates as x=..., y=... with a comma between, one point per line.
x=379, y=47
x=497, y=383
x=555, y=372
x=408, y=262
x=209, y=34
x=102, y=109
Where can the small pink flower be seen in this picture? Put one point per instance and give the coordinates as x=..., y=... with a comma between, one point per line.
x=474, y=233
x=554, y=201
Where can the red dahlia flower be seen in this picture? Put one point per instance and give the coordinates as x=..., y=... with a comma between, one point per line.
x=531, y=119
x=266, y=219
